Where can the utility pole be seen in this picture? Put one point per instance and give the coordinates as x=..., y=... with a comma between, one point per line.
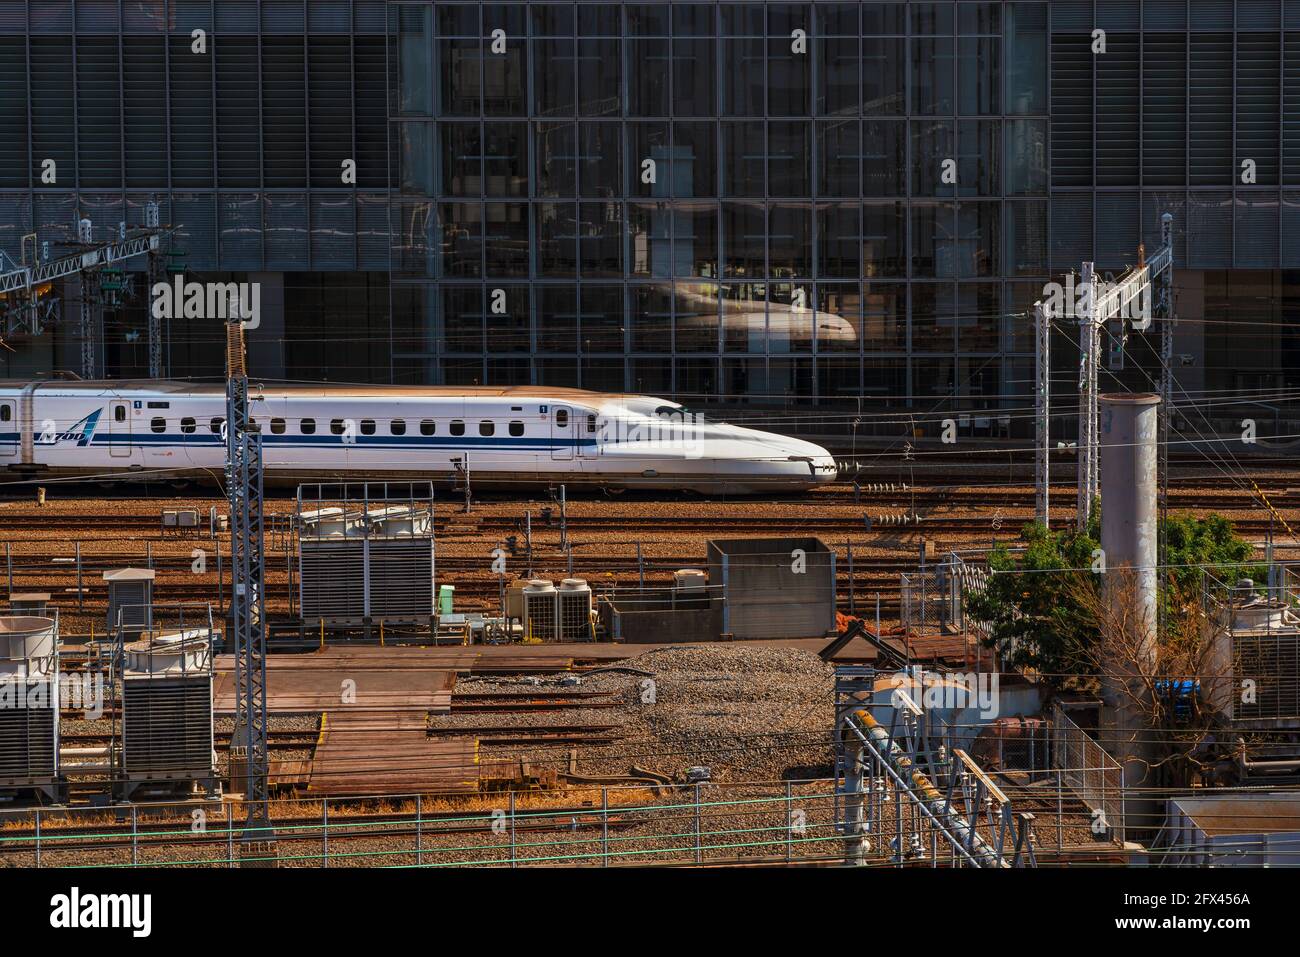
x=248, y=571
x=1127, y=301
x=1089, y=346
x=1042, y=413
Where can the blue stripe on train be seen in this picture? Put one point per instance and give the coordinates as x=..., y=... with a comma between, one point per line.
x=369, y=441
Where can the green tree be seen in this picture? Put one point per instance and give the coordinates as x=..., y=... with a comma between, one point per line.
x=1039, y=609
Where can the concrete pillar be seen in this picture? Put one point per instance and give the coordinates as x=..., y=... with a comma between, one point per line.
x=1129, y=528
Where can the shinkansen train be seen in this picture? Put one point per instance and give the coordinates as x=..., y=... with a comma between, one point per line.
x=503, y=437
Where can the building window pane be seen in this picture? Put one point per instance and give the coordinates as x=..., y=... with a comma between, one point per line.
x=979, y=77
x=932, y=76
x=557, y=322
x=840, y=157
x=647, y=77
x=553, y=77
x=1026, y=239
x=884, y=232
x=648, y=141
x=789, y=228
x=505, y=239
x=600, y=159
x=695, y=240
x=743, y=76
x=650, y=239
x=601, y=319
x=557, y=239
x=979, y=163
x=651, y=318
x=505, y=159
x=695, y=160
x=979, y=317
x=462, y=239
x=979, y=239
x=884, y=149
x=744, y=162
x=694, y=88
x=1026, y=61
x=462, y=317
x=695, y=318
x=933, y=151
x=600, y=239
x=461, y=77
x=789, y=158
x=934, y=229
x=839, y=317
x=557, y=159
x=837, y=83
x=933, y=316
x=743, y=240
x=509, y=331
x=839, y=235
x=462, y=154
x=1026, y=157
x=598, y=77
x=789, y=78
x=884, y=75
x=505, y=78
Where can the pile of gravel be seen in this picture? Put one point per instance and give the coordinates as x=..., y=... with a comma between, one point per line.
x=743, y=711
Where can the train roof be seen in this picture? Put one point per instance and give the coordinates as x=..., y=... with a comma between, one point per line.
x=323, y=389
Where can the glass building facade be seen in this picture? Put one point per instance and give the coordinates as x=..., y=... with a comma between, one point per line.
x=762, y=203
x=739, y=202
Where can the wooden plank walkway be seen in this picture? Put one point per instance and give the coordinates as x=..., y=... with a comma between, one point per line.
x=389, y=753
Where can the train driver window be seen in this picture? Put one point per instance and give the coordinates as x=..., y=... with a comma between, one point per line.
x=307, y=426
x=487, y=428
x=428, y=427
x=562, y=418
x=367, y=426
x=516, y=429
x=157, y=425
x=119, y=413
x=277, y=426
x=591, y=422
x=397, y=427
x=215, y=425
x=457, y=427
x=188, y=425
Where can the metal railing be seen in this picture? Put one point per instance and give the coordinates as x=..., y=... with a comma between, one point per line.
x=1096, y=778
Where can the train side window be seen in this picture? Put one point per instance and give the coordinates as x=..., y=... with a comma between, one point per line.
x=367, y=426
x=158, y=425
x=119, y=413
x=516, y=429
x=336, y=426
x=562, y=418
x=215, y=425
x=307, y=426
x=428, y=427
x=457, y=427
x=487, y=428
x=188, y=425
x=6, y=413
x=397, y=427
x=277, y=426
x=591, y=423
